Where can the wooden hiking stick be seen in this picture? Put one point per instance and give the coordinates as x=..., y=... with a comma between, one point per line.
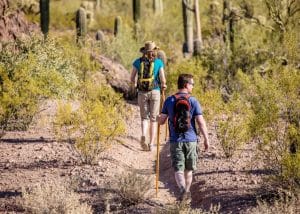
x=157, y=150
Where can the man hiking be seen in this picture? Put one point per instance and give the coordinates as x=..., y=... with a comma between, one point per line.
x=150, y=80
x=183, y=111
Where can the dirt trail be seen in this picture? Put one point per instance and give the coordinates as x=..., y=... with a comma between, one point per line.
x=35, y=156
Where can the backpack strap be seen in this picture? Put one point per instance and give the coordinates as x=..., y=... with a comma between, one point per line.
x=183, y=95
x=178, y=95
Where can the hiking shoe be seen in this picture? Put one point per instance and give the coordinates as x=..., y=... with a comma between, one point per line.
x=187, y=197
x=181, y=193
x=143, y=143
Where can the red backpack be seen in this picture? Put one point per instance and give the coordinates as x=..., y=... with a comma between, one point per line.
x=182, y=119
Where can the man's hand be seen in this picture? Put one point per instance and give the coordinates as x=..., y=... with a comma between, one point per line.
x=206, y=145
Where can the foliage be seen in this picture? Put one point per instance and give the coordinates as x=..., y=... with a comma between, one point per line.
x=134, y=188
x=232, y=129
x=274, y=124
x=53, y=198
x=123, y=48
x=94, y=123
x=31, y=71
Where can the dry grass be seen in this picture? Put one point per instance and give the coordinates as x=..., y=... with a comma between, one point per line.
x=134, y=188
x=184, y=208
x=53, y=198
x=287, y=203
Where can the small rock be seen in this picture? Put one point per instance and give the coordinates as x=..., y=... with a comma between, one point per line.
x=253, y=181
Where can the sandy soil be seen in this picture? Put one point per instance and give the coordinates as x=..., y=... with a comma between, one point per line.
x=35, y=156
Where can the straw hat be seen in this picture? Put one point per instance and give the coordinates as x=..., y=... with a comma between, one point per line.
x=149, y=46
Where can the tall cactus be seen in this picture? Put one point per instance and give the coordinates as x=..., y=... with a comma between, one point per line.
x=100, y=36
x=81, y=25
x=187, y=12
x=158, y=7
x=198, y=41
x=98, y=4
x=44, y=11
x=136, y=6
x=118, y=26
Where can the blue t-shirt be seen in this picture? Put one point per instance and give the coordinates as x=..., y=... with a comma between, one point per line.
x=158, y=64
x=190, y=135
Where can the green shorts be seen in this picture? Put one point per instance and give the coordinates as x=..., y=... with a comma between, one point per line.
x=184, y=155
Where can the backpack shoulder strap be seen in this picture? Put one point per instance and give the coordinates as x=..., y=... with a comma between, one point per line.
x=185, y=95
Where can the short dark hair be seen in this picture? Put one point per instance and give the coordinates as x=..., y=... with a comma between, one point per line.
x=183, y=79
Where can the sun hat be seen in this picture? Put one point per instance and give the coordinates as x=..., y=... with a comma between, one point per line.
x=149, y=46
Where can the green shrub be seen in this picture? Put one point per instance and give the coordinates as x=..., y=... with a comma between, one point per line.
x=274, y=124
x=232, y=129
x=53, y=198
x=94, y=123
x=30, y=72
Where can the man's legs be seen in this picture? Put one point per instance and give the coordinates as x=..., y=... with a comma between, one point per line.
x=188, y=175
x=180, y=180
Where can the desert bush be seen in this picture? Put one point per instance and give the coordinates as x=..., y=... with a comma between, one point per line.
x=274, y=124
x=133, y=187
x=94, y=123
x=287, y=202
x=232, y=129
x=30, y=72
x=53, y=198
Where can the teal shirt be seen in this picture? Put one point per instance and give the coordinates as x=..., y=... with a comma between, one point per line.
x=158, y=64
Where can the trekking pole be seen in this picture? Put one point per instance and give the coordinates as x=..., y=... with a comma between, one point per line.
x=157, y=150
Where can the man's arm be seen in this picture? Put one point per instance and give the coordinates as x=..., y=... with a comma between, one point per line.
x=203, y=129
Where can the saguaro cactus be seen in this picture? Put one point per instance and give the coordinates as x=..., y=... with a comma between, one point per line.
x=118, y=26
x=100, y=36
x=158, y=7
x=198, y=40
x=136, y=10
x=187, y=12
x=81, y=28
x=44, y=11
x=98, y=4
